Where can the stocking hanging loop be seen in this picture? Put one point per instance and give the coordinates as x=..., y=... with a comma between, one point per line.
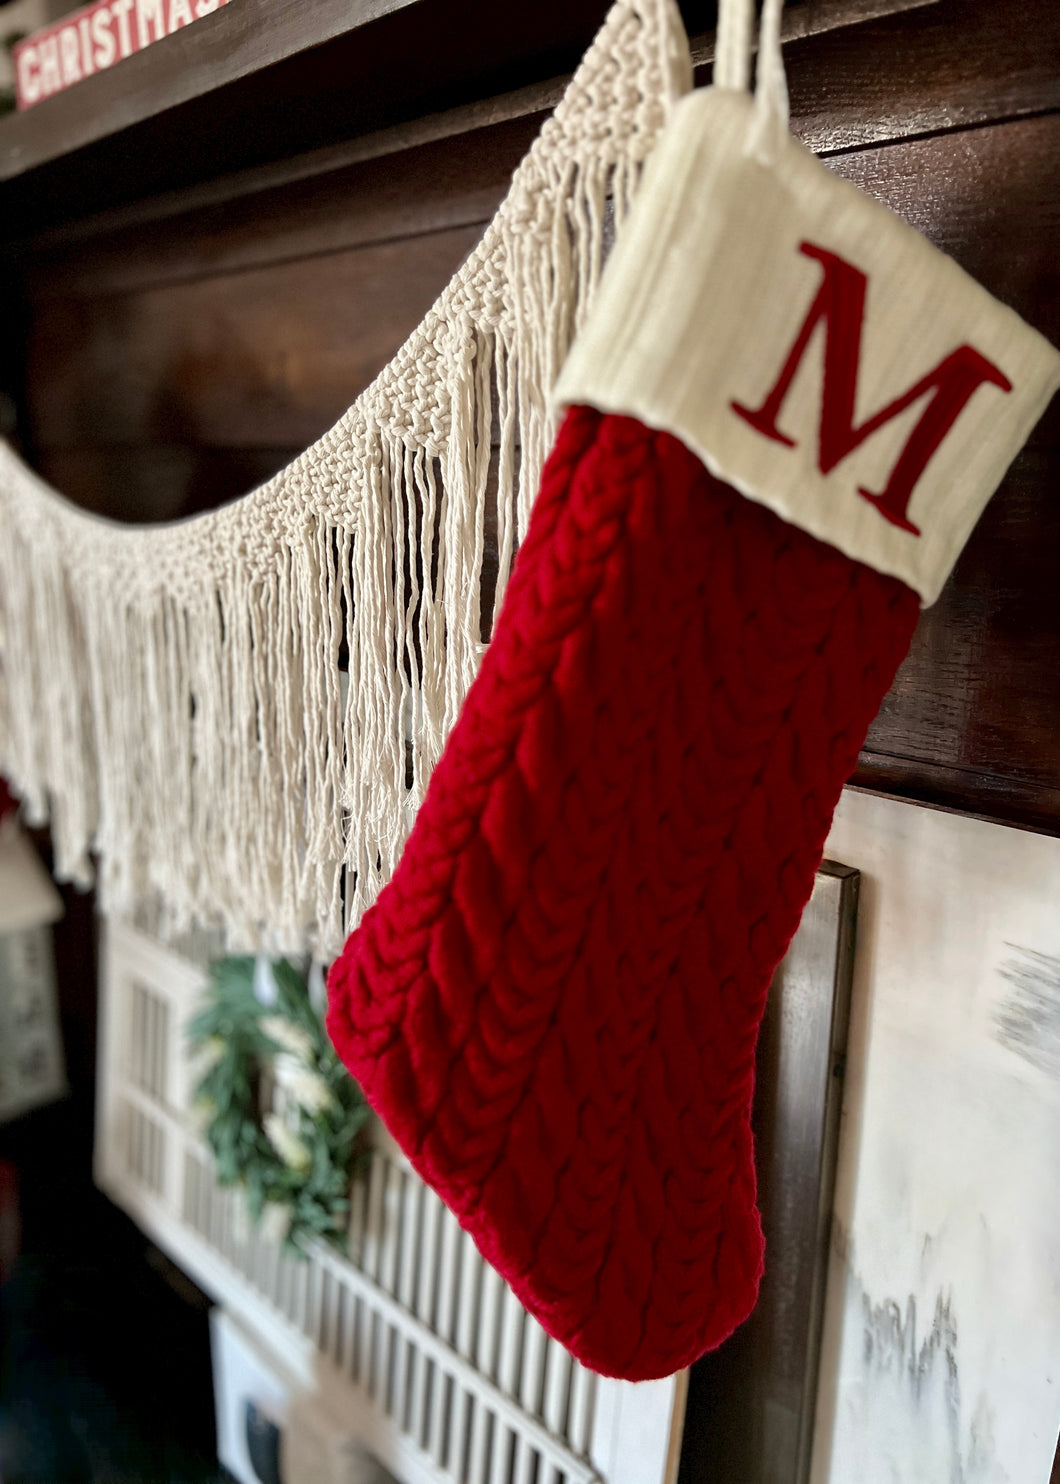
x=771, y=87
x=732, y=51
x=732, y=69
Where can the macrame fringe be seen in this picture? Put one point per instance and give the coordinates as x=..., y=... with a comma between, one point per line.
x=238, y=714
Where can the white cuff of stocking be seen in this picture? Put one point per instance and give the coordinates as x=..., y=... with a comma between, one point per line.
x=814, y=351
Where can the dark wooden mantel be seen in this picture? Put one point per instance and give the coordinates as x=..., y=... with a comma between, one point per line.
x=210, y=249
x=263, y=80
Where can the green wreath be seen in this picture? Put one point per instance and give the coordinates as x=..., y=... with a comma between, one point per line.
x=295, y=1161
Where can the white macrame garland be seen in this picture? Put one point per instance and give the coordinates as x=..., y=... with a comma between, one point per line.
x=173, y=698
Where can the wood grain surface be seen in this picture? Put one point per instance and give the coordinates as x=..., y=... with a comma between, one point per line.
x=179, y=348
x=448, y=182
x=949, y=66
x=270, y=356
x=293, y=74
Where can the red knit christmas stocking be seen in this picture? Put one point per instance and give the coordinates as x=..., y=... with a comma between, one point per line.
x=554, y=1004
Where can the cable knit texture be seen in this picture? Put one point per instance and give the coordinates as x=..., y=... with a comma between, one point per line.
x=554, y=1004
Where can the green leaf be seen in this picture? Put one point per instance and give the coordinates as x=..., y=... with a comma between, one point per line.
x=318, y=1200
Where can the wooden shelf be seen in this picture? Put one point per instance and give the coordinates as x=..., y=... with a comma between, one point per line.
x=223, y=48
x=264, y=80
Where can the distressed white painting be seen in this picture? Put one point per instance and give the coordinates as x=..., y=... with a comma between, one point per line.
x=941, y=1355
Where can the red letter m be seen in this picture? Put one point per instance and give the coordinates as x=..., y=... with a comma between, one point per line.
x=840, y=302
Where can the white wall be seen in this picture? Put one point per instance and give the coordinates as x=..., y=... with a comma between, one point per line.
x=941, y=1356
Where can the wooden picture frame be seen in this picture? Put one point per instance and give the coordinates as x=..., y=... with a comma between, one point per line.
x=751, y=1403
